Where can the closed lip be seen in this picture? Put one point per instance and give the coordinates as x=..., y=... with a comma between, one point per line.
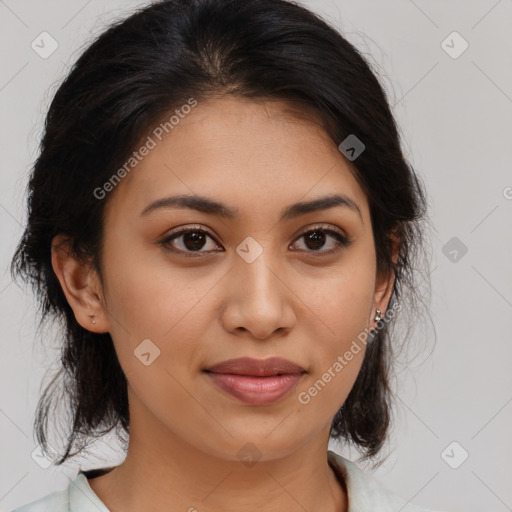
x=257, y=367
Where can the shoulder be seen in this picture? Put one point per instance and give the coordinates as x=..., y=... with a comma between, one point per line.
x=365, y=492
x=78, y=497
x=55, y=502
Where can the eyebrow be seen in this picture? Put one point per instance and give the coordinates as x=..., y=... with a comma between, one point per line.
x=212, y=207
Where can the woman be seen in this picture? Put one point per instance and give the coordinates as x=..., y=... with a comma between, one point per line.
x=222, y=217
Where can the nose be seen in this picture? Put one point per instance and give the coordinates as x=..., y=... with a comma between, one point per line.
x=258, y=299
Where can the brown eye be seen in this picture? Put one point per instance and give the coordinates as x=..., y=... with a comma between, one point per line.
x=194, y=240
x=189, y=241
x=317, y=238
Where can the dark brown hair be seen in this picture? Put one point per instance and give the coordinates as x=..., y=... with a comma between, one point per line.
x=149, y=64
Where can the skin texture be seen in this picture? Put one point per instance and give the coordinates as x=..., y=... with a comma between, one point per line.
x=291, y=301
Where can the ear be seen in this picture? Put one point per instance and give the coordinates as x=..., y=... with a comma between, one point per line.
x=81, y=286
x=384, y=285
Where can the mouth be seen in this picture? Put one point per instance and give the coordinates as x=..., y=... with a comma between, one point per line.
x=257, y=367
x=256, y=382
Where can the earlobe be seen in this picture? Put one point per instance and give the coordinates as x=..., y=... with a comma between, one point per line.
x=382, y=296
x=384, y=284
x=81, y=286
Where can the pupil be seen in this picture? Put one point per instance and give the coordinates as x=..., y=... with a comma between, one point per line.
x=196, y=238
x=318, y=239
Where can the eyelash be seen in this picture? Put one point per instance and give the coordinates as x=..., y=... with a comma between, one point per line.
x=342, y=241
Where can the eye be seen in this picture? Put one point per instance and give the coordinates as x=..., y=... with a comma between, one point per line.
x=193, y=239
x=318, y=237
x=190, y=241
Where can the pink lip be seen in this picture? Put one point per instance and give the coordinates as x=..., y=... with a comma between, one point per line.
x=256, y=390
x=259, y=367
x=256, y=382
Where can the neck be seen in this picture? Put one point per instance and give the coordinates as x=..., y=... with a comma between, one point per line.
x=161, y=470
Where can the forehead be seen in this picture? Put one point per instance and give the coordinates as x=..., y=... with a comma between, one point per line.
x=240, y=152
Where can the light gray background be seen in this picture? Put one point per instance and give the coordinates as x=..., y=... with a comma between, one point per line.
x=455, y=116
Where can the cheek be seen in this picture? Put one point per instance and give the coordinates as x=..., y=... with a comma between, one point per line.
x=343, y=308
x=157, y=321
x=149, y=299
x=343, y=297
x=149, y=295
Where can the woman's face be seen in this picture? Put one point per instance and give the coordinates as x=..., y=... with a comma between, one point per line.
x=253, y=286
